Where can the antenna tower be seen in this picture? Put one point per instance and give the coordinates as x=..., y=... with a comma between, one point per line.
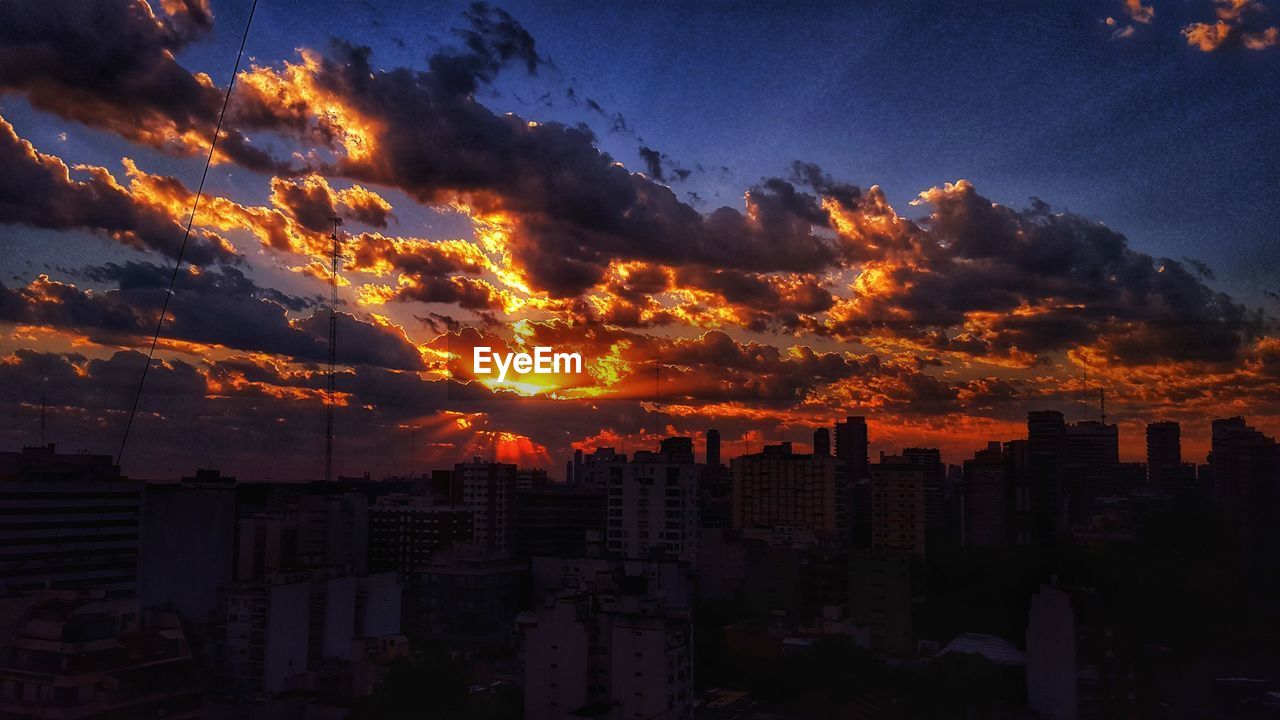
x=333, y=350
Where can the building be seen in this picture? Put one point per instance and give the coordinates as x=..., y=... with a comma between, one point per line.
x=74, y=654
x=1046, y=440
x=898, y=518
x=882, y=598
x=1245, y=464
x=851, y=447
x=406, y=530
x=1089, y=471
x=822, y=441
x=677, y=449
x=531, y=479
x=986, y=497
x=566, y=521
x=488, y=491
x=608, y=643
x=188, y=547
x=653, y=507
x=713, y=447
x=466, y=597
x=1164, y=451
x=279, y=635
x=939, y=532
x=67, y=520
x=779, y=488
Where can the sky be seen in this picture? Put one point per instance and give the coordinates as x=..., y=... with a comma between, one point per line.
x=750, y=216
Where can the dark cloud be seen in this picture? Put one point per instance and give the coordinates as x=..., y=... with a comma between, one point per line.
x=219, y=307
x=110, y=64
x=38, y=190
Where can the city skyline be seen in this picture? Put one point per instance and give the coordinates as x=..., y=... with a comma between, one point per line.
x=504, y=181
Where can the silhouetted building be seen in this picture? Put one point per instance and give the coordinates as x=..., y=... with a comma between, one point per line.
x=466, y=598
x=986, y=494
x=1091, y=452
x=406, y=530
x=1046, y=440
x=822, y=441
x=777, y=488
x=851, y=447
x=531, y=479
x=1164, y=451
x=898, y=505
x=677, y=449
x=560, y=521
x=713, y=447
x=882, y=592
x=488, y=491
x=188, y=544
x=69, y=520
x=1244, y=462
x=938, y=531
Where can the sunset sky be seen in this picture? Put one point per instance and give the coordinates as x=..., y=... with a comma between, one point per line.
x=939, y=216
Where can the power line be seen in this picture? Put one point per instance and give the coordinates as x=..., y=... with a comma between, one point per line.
x=177, y=265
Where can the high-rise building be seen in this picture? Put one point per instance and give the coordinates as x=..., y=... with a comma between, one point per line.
x=68, y=520
x=1046, y=437
x=653, y=506
x=822, y=441
x=188, y=544
x=560, y=521
x=1164, y=450
x=1245, y=463
x=488, y=491
x=898, y=505
x=406, y=530
x=851, y=447
x=1090, y=467
x=677, y=449
x=713, y=447
x=986, y=495
x=936, y=496
x=780, y=489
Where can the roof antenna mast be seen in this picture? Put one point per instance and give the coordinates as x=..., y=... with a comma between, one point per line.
x=333, y=350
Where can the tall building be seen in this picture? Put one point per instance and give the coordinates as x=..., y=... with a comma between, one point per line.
x=822, y=441
x=936, y=496
x=713, y=447
x=1245, y=464
x=882, y=592
x=560, y=521
x=780, y=489
x=1164, y=450
x=986, y=496
x=898, y=505
x=67, y=520
x=677, y=449
x=188, y=546
x=1090, y=466
x=653, y=508
x=1046, y=437
x=406, y=530
x=488, y=491
x=851, y=447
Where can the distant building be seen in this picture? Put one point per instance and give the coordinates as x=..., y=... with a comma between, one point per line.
x=531, y=479
x=677, y=449
x=986, y=498
x=565, y=521
x=68, y=520
x=488, y=491
x=1245, y=464
x=898, y=505
x=1046, y=441
x=466, y=597
x=1164, y=450
x=713, y=447
x=653, y=506
x=822, y=441
x=778, y=488
x=405, y=531
x=851, y=447
x=1090, y=456
x=882, y=593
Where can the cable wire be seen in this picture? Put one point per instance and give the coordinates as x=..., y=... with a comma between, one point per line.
x=177, y=265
